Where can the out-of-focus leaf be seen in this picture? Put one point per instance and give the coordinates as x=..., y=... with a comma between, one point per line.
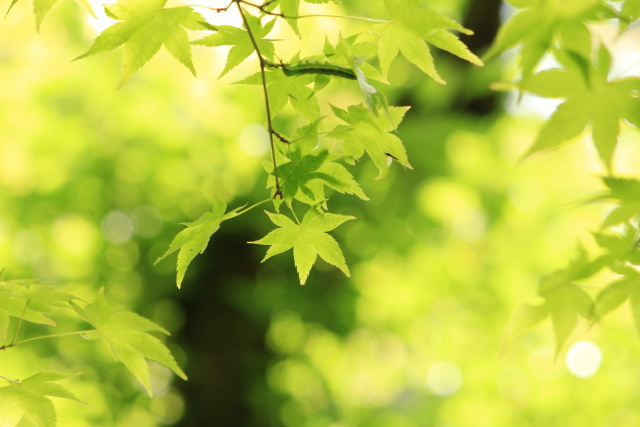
x=128, y=335
x=29, y=399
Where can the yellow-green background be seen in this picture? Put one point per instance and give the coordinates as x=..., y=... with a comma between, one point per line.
x=94, y=183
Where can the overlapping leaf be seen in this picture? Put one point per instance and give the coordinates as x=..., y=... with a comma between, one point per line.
x=545, y=24
x=626, y=193
x=305, y=169
x=307, y=239
x=29, y=399
x=26, y=300
x=563, y=302
x=372, y=97
x=590, y=98
x=283, y=89
x=372, y=134
x=194, y=239
x=409, y=32
x=146, y=25
x=226, y=35
x=128, y=335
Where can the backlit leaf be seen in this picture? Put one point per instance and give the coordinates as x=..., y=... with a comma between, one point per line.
x=128, y=336
x=307, y=239
x=194, y=239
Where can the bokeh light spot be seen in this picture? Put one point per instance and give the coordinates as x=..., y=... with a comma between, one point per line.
x=254, y=140
x=469, y=225
x=583, y=359
x=444, y=378
x=116, y=227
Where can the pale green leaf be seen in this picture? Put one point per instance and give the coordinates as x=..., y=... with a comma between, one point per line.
x=145, y=26
x=290, y=8
x=299, y=175
x=128, y=336
x=29, y=399
x=308, y=240
x=554, y=83
x=239, y=39
x=612, y=297
x=523, y=319
x=368, y=133
x=194, y=239
x=634, y=302
x=40, y=9
x=407, y=33
x=567, y=122
x=26, y=300
x=605, y=129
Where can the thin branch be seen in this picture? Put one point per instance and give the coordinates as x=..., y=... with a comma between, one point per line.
x=266, y=98
x=42, y=337
x=215, y=9
x=356, y=18
x=280, y=137
x=262, y=9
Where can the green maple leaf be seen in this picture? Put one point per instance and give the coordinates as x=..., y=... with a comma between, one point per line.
x=146, y=25
x=409, y=32
x=283, y=89
x=26, y=300
x=590, y=98
x=304, y=169
x=227, y=35
x=29, y=399
x=546, y=24
x=625, y=192
x=42, y=7
x=369, y=134
x=128, y=336
x=631, y=9
x=304, y=178
x=194, y=239
x=614, y=295
x=563, y=303
x=307, y=239
x=290, y=8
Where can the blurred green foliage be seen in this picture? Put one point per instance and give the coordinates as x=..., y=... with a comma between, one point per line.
x=94, y=181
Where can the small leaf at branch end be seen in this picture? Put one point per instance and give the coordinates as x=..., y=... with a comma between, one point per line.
x=195, y=238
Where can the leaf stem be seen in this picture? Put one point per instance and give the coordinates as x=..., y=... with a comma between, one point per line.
x=278, y=192
x=64, y=334
x=9, y=379
x=294, y=213
x=356, y=18
x=19, y=324
x=253, y=206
